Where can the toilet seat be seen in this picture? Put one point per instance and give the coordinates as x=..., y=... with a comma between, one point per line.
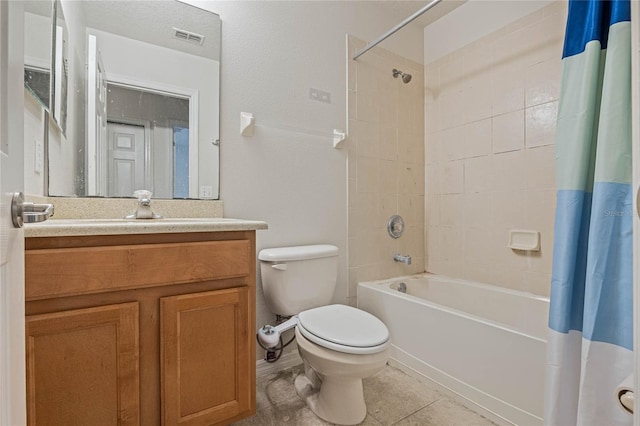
x=344, y=329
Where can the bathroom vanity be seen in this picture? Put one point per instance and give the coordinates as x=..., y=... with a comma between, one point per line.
x=140, y=322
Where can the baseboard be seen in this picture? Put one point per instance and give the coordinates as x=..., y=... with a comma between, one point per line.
x=287, y=360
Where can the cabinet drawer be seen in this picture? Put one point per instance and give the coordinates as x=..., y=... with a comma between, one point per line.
x=84, y=270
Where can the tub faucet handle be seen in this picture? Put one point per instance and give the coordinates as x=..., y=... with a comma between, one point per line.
x=406, y=259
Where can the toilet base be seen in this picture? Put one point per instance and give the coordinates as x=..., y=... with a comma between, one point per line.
x=339, y=400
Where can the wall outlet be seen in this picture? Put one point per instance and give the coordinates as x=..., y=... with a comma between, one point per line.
x=37, y=158
x=206, y=191
x=319, y=95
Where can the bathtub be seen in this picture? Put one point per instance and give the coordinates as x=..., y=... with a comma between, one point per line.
x=485, y=343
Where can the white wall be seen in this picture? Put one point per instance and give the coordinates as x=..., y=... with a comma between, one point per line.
x=272, y=53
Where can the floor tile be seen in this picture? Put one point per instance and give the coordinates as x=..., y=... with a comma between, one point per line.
x=391, y=395
x=445, y=412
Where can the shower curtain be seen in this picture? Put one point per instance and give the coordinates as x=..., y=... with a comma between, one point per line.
x=590, y=346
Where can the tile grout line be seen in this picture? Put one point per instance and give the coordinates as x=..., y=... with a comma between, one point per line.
x=415, y=411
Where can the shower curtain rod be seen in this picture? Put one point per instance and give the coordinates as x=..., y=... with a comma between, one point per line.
x=394, y=29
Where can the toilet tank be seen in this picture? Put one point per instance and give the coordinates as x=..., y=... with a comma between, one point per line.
x=295, y=279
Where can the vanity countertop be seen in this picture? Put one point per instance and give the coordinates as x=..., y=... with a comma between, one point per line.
x=79, y=227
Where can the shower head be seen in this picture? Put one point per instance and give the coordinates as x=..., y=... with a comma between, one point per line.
x=405, y=77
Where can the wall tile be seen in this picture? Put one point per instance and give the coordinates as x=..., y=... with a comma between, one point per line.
x=452, y=210
x=537, y=283
x=508, y=171
x=477, y=209
x=431, y=148
x=367, y=137
x=542, y=82
x=366, y=106
x=451, y=243
x=432, y=210
x=387, y=164
x=434, y=253
x=541, y=167
x=388, y=177
x=508, y=132
x=475, y=245
x=410, y=178
x=367, y=175
x=507, y=90
x=432, y=180
x=452, y=177
x=477, y=138
x=365, y=208
x=410, y=146
x=478, y=175
x=541, y=124
x=508, y=209
x=411, y=208
x=540, y=206
x=389, y=205
x=499, y=96
x=452, y=75
x=512, y=278
x=451, y=111
x=452, y=144
x=432, y=123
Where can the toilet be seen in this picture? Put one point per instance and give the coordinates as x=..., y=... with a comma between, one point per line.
x=340, y=345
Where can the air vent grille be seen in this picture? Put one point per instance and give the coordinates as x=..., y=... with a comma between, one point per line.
x=188, y=36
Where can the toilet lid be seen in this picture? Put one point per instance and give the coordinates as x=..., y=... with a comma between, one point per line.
x=342, y=325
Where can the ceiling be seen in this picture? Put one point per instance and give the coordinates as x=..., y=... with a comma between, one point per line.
x=153, y=23
x=405, y=8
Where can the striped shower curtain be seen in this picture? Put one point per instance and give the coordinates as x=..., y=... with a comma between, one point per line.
x=590, y=347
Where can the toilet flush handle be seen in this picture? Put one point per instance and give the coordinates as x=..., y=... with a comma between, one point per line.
x=279, y=266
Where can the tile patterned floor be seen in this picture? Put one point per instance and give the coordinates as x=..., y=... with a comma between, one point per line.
x=392, y=397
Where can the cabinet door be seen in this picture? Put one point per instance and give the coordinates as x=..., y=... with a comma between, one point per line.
x=208, y=370
x=82, y=367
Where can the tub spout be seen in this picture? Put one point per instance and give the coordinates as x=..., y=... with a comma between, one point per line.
x=402, y=258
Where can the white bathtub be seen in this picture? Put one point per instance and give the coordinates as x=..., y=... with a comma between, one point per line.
x=485, y=343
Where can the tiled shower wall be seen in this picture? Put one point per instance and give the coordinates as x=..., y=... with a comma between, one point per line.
x=490, y=121
x=386, y=164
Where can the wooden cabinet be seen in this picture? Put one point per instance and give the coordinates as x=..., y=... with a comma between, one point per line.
x=140, y=329
x=204, y=341
x=83, y=364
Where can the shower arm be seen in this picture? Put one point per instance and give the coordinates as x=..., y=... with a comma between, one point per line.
x=393, y=30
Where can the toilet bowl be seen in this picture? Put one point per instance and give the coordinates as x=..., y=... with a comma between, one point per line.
x=340, y=346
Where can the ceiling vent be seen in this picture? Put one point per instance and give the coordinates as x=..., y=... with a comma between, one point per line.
x=187, y=36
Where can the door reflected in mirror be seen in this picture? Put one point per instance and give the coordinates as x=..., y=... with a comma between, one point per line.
x=143, y=101
x=147, y=134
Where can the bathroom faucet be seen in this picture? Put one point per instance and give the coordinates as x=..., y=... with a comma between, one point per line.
x=402, y=258
x=144, y=206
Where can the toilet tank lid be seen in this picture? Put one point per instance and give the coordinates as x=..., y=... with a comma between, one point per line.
x=283, y=254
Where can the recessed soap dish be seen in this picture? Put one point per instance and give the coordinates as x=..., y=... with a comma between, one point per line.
x=524, y=240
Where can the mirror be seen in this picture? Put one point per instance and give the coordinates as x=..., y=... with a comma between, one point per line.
x=142, y=105
x=38, y=18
